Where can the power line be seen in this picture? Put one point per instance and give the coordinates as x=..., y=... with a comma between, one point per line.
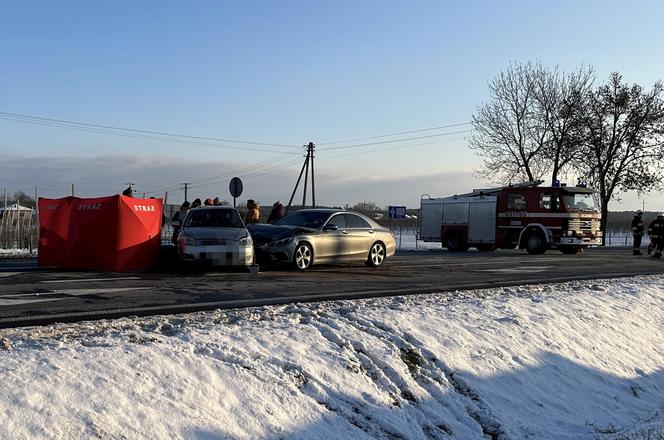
x=259, y=172
x=396, y=140
x=64, y=182
x=276, y=158
x=397, y=147
x=440, y=127
x=151, y=132
x=138, y=136
x=274, y=169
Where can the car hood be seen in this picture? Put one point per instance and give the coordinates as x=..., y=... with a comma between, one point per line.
x=222, y=233
x=274, y=232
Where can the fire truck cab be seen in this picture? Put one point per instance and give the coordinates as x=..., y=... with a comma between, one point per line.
x=524, y=216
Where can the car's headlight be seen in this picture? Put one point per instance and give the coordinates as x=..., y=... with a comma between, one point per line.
x=246, y=241
x=186, y=240
x=282, y=242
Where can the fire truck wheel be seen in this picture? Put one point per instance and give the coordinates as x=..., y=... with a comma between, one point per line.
x=570, y=250
x=535, y=244
x=454, y=242
x=486, y=247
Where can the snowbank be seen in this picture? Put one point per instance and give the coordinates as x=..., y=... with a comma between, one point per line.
x=17, y=253
x=542, y=362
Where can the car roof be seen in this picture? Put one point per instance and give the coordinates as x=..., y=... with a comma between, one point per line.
x=215, y=207
x=328, y=210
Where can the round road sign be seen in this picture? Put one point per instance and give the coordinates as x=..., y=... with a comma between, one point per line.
x=235, y=187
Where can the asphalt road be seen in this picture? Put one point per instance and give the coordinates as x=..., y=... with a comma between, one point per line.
x=34, y=296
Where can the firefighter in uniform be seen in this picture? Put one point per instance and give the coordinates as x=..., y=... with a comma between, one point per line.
x=637, y=232
x=656, y=232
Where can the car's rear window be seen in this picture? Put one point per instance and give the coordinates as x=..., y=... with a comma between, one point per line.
x=214, y=218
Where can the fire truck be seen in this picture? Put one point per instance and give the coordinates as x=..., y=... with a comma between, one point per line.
x=525, y=216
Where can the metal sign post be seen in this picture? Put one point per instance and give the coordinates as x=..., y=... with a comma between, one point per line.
x=235, y=187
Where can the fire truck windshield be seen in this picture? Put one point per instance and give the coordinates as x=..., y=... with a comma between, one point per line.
x=580, y=201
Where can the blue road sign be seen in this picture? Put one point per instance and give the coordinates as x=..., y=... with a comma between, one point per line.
x=397, y=211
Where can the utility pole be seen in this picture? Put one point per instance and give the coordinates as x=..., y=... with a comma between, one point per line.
x=185, y=186
x=72, y=190
x=308, y=162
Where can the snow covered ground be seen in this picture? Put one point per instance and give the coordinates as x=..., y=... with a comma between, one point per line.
x=17, y=253
x=567, y=361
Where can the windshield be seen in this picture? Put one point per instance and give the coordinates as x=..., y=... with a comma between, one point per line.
x=580, y=201
x=306, y=219
x=214, y=218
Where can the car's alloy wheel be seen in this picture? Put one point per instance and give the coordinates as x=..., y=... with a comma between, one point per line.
x=376, y=255
x=303, y=256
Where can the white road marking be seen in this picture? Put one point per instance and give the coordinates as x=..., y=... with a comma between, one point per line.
x=82, y=280
x=8, y=274
x=520, y=269
x=27, y=298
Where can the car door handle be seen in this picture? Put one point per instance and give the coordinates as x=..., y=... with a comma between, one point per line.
x=344, y=232
x=371, y=231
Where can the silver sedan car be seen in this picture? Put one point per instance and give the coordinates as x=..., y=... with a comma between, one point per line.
x=312, y=236
x=215, y=235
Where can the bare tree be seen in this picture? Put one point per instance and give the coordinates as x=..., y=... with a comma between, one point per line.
x=508, y=137
x=532, y=125
x=624, y=146
x=22, y=198
x=364, y=207
x=560, y=101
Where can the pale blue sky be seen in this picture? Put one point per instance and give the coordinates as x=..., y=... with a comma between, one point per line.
x=286, y=72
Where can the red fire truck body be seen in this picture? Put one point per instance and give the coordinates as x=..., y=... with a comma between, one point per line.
x=525, y=216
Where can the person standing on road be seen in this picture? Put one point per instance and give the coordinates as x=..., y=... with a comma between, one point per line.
x=276, y=213
x=656, y=232
x=179, y=217
x=253, y=214
x=637, y=232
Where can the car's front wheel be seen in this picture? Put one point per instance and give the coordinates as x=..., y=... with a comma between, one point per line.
x=377, y=255
x=303, y=257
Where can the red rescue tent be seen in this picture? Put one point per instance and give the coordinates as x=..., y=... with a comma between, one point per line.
x=116, y=233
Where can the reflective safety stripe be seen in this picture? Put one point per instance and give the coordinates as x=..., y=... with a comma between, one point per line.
x=525, y=226
x=517, y=214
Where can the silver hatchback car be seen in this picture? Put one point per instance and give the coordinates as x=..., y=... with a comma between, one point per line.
x=215, y=235
x=312, y=236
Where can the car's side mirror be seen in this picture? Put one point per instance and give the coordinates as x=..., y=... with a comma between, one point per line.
x=331, y=228
x=176, y=223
